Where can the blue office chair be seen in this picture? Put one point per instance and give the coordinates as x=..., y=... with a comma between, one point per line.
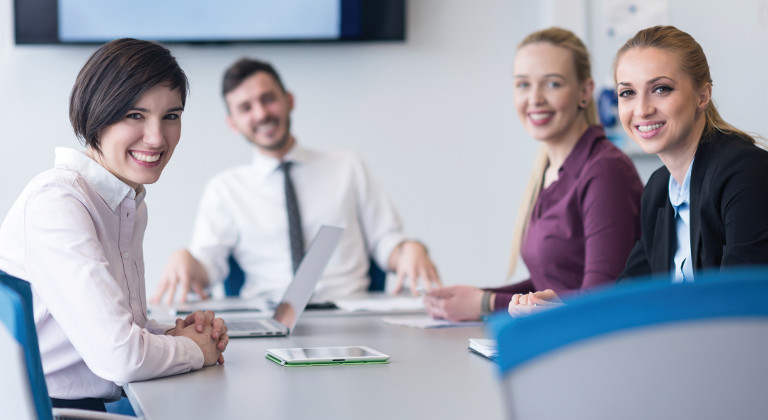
x=23, y=391
x=236, y=278
x=642, y=351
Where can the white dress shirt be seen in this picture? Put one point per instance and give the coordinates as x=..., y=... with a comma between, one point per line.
x=76, y=234
x=242, y=212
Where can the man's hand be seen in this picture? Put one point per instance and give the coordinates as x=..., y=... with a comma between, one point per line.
x=199, y=324
x=454, y=303
x=410, y=260
x=184, y=271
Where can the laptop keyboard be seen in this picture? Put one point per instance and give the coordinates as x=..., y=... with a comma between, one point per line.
x=254, y=326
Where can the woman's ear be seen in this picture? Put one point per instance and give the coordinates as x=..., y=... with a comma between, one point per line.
x=704, y=97
x=587, y=88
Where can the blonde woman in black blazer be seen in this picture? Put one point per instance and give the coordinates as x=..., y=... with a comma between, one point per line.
x=729, y=210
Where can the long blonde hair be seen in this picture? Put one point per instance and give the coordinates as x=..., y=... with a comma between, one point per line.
x=692, y=61
x=565, y=39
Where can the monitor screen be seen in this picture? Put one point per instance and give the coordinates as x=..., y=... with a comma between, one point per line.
x=205, y=21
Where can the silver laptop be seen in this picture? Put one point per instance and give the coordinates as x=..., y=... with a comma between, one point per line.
x=297, y=294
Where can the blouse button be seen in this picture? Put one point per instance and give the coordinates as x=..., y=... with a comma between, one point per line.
x=125, y=255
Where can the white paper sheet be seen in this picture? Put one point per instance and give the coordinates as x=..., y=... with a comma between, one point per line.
x=429, y=322
x=389, y=304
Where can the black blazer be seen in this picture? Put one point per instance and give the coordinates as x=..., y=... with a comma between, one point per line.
x=729, y=211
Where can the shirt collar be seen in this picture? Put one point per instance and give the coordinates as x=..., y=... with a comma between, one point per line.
x=266, y=165
x=575, y=160
x=111, y=189
x=680, y=194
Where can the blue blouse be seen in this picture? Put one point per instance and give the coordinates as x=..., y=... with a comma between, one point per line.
x=680, y=197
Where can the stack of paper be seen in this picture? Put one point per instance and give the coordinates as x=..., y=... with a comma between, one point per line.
x=484, y=347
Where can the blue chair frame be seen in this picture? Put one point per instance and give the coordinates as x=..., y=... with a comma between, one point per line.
x=27, y=335
x=16, y=295
x=583, y=321
x=628, y=305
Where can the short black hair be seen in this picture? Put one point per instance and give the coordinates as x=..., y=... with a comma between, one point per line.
x=114, y=78
x=245, y=68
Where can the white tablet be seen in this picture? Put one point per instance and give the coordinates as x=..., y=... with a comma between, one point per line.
x=326, y=356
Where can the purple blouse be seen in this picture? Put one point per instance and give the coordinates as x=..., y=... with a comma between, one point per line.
x=583, y=225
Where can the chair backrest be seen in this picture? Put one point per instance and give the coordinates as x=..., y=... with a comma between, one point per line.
x=22, y=388
x=378, y=277
x=641, y=351
x=234, y=281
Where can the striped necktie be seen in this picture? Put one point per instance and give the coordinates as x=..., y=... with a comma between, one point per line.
x=294, y=219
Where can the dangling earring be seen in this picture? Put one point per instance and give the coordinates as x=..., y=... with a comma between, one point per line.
x=582, y=105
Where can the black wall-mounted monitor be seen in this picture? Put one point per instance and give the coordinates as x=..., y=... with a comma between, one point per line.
x=208, y=21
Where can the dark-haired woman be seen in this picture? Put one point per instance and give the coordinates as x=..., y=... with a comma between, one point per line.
x=76, y=232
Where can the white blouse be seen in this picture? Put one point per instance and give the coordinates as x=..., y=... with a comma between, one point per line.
x=76, y=234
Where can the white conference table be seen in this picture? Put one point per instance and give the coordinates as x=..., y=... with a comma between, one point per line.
x=431, y=375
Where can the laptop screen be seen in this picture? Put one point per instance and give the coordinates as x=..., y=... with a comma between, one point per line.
x=312, y=266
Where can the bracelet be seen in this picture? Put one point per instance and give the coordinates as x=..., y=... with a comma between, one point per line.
x=485, y=303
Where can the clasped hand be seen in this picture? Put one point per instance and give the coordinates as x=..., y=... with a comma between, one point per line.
x=207, y=331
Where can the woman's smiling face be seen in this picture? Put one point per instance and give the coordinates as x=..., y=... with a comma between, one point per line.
x=659, y=106
x=137, y=148
x=548, y=93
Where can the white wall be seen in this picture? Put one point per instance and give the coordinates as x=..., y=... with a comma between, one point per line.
x=432, y=116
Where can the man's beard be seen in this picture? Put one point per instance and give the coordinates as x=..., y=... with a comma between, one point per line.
x=280, y=144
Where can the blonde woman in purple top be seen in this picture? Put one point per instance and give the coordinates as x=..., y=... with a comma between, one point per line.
x=580, y=217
